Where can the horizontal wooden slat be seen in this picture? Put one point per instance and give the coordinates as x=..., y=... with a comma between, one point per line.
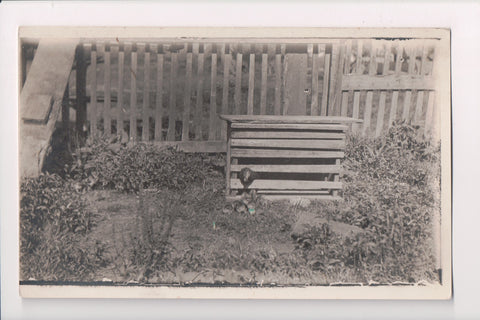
x=387, y=82
x=286, y=143
x=294, y=196
x=287, y=135
x=290, y=196
x=290, y=126
x=287, y=184
x=320, y=168
x=292, y=192
x=287, y=119
x=269, y=153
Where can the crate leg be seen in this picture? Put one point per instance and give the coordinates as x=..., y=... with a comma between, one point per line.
x=336, y=178
x=234, y=175
x=228, y=161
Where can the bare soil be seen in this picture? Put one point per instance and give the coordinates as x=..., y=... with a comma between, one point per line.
x=209, y=247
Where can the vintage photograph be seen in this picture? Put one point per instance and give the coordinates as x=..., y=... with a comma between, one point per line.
x=233, y=162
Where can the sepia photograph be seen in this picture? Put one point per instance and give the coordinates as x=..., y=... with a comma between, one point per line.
x=235, y=163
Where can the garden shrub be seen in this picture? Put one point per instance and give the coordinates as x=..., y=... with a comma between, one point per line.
x=54, y=223
x=130, y=168
x=390, y=191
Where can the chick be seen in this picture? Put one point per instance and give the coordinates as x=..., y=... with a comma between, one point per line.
x=246, y=177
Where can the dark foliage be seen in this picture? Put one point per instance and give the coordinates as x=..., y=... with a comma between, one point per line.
x=131, y=168
x=392, y=192
x=54, y=224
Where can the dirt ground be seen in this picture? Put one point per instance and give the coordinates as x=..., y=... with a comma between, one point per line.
x=208, y=247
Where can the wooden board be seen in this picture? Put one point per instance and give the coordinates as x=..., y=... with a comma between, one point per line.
x=187, y=98
x=47, y=79
x=291, y=196
x=199, y=102
x=251, y=83
x=238, y=83
x=146, y=96
x=213, y=99
x=269, y=153
x=278, y=84
x=263, y=91
x=120, y=88
x=107, y=120
x=41, y=112
x=326, y=81
x=304, y=168
x=159, y=95
x=226, y=77
x=368, y=103
x=295, y=84
x=286, y=135
x=133, y=95
x=48, y=75
x=289, y=144
x=383, y=93
x=388, y=82
x=287, y=184
x=172, y=105
x=298, y=193
x=266, y=119
x=290, y=126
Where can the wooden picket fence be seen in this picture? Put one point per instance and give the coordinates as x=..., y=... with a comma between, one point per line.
x=386, y=81
x=171, y=92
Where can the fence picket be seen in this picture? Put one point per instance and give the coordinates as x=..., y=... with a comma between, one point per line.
x=383, y=93
x=263, y=92
x=368, y=103
x=187, y=98
x=93, y=91
x=278, y=83
x=251, y=83
x=356, y=94
x=121, y=70
x=315, y=82
x=146, y=96
x=420, y=95
x=81, y=87
x=398, y=66
x=159, y=95
x=107, y=125
x=333, y=79
x=429, y=115
x=213, y=99
x=309, y=87
x=173, y=98
x=346, y=70
x=326, y=82
x=226, y=76
x=408, y=94
x=238, y=83
x=199, y=102
x=283, y=52
x=133, y=94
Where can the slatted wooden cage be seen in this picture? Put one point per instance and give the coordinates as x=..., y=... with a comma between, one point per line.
x=292, y=156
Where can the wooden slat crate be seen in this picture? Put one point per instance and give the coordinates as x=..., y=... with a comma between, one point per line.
x=291, y=156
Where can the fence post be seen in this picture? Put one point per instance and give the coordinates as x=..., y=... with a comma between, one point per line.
x=335, y=93
x=81, y=88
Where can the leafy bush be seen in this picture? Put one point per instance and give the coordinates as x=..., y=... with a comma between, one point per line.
x=54, y=222
x=131, y=168
x=391, y=187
